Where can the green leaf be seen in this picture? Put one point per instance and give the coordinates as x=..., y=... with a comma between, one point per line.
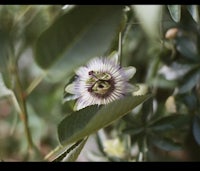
x=175, y=12
x=165, y=143
x=6, y=17
x=73, y=154
x=68, y=152
x=193, y=10
x=190, y=100
x=134, y=131
x=172, y=122
x=187, y=48
x=80, y=34
x=190, y=80
x=41, y=18
x=196, y=128
x=4, y=50
x=90, y=119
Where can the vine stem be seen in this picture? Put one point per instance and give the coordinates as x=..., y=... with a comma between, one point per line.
x=35, y=83
x=142, y=156
x=120, y=47
x=23, y=109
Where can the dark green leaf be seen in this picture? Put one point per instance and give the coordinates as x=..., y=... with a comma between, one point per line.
x=147, y=110
x=7, y=17
x=4, y=50
x=90, y=119
x=6, y=56
x=80, y=34
x=165, y=143
x=172, y=122
x=133, y=131
x=190, y=100
x=41, y=18
x=196, y=128
x=187, y=49
x=175, y=12
x=189, y=81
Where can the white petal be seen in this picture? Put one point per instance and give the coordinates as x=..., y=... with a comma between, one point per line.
x=70, y=88
x=82, y=71
x=130, y=71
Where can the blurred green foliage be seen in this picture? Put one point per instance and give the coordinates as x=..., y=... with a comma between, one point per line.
x=41, y=46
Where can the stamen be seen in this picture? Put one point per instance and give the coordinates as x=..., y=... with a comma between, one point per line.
x=92, y=74
x=90, y=89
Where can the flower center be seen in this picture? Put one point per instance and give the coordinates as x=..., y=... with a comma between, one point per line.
x=101, y=83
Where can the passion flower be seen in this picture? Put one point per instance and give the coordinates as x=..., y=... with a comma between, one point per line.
x=101, y=81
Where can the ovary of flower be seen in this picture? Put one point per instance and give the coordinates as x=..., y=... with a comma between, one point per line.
x=114, y=148
x=101, y=81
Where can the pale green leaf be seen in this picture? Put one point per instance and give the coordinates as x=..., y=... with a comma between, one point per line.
x=193, y=10
x=150, y=17
x=175, y=12
x=73, y=154
x=68, y=152
x=6, y=92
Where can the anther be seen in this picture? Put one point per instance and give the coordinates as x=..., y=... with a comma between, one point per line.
x=91, y=72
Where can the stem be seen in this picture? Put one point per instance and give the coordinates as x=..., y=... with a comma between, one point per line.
x=18, y=109
x=34, y=84
x=145, y=149
x=120, y=48
x=52, y=153
x=153, y=69
x=23, y=112
x=142, y=156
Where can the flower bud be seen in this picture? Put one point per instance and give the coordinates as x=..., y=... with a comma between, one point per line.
x=171, y=33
